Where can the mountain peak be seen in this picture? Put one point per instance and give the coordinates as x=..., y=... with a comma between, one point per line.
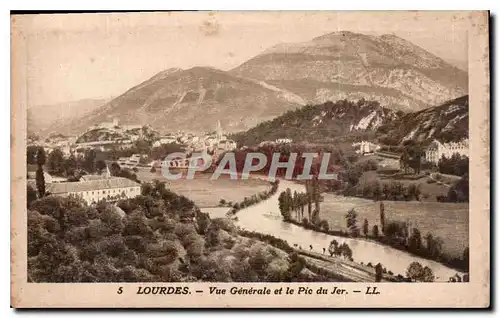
x=338, y=35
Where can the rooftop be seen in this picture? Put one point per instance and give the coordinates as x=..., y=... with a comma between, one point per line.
x=90, y=185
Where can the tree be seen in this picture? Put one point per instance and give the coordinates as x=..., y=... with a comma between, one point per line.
x=100, y=165
x=412, y=155
x=346, y=251
x=31, y=152
x=375, y=231
x=333, y=247
x=378, y=272
x=417, y=273
x=55, y=162
x=115, y=169
x=40, y=181
x=70, y=165
x=284, y=205
x=414, y=271
x=415, y=243
x=427, y=275
x=323, y=225
x=465, y=257
x=351, y=222
x=89, y=160
x=382, y=215
x=309, y=199
x=377, y=191
x=30, y=195
x=434, y=245
x=386, y=191
x=365, y=228
x=459, y=192
x=41, y=157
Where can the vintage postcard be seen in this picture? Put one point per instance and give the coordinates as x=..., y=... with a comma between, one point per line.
x=315, y=159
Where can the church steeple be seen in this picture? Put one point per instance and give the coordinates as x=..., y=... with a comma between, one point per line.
x=218, y=130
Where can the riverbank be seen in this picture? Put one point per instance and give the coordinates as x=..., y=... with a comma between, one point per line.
x=335, y=268
x=265, y=218
x=455, y=264
x=254, y=199
x=206, y=192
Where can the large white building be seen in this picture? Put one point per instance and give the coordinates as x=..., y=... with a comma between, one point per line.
x=436, y=150
x=94, y=190
x=164, y=140
x=366, y=147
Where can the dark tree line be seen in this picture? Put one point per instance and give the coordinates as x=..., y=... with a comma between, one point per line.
x=456, y=165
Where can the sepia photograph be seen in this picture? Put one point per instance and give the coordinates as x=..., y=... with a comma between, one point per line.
x=262, y=150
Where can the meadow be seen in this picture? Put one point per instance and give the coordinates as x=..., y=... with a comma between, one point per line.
x=449, y=221
x=430, y=189
x=208, y=193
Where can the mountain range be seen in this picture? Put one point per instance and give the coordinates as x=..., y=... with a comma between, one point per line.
x=335, y=66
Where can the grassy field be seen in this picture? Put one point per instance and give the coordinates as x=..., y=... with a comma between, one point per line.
x=446, y=220
x=205, y=192
x=429, y=190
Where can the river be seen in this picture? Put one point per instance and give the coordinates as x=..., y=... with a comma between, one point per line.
x=265, y=218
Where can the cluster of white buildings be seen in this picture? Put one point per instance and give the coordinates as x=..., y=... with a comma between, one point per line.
x=181, y=163
x=279, y=141
x=366, y=147
x=115, y=125
x=65, y=144
x=132, y=161
x=215, y=141
x=436, y=150
x=122, y=136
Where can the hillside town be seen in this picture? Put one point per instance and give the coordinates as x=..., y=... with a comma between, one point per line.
x=108, y=136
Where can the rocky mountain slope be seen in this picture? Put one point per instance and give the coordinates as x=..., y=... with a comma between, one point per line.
x=194, y=100
x=363, y=120
x=397, y=73
x=447, y=122
x=321, y=123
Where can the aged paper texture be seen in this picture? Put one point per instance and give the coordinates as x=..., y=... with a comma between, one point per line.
x=251, y=159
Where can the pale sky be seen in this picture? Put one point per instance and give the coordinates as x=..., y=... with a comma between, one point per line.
x=77, y=56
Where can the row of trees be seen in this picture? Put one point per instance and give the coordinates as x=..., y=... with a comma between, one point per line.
x=393, y=191
x=71, y=167
x=340, y=250
x=295, y=203
x=254, y=199
x=396, y=234
x=400, y=235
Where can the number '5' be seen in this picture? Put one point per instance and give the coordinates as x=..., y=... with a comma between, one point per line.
x=120, y=290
